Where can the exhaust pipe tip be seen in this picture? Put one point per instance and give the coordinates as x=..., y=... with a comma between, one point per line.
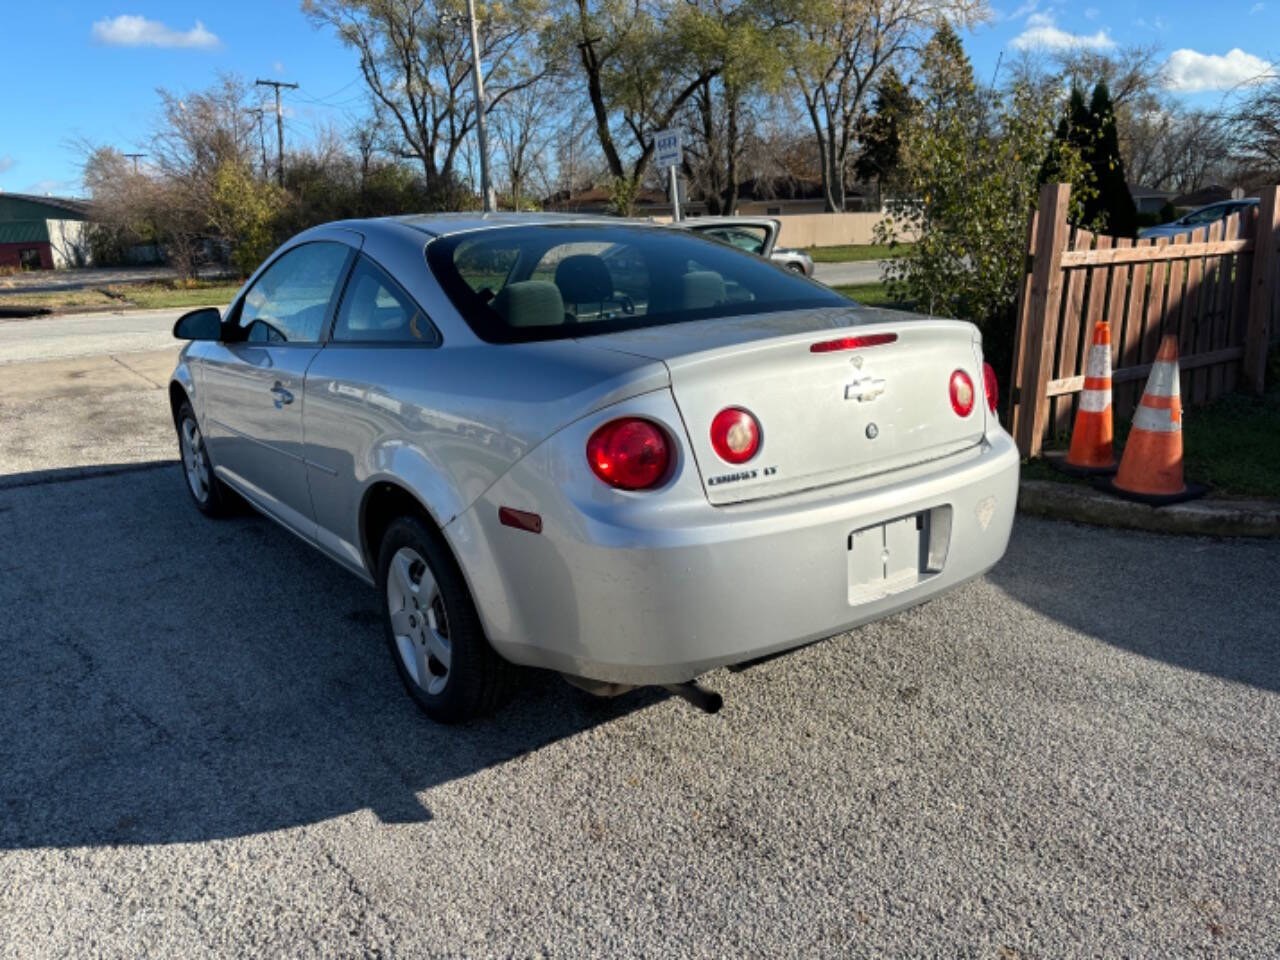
x=708, y=701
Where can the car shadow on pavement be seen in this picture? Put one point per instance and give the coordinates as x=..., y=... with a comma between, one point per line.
x=1168, y=598
x=168, y=678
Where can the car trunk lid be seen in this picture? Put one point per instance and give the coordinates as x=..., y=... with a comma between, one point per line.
x=826, y=416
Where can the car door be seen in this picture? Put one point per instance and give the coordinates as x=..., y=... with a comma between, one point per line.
x=360, y=399
x=253, y=381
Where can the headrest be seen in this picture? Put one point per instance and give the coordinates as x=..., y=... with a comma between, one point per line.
x=584, y=278
x=530, y=303
x=702, y=288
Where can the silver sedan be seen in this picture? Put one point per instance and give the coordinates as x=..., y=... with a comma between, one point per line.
x=614, y=450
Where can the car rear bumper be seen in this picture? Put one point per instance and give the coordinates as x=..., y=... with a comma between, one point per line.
x=666, y=602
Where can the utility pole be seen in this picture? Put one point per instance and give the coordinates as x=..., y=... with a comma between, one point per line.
x=280, y=123
x=481, y=135
x=135, y=157
x=260, y=113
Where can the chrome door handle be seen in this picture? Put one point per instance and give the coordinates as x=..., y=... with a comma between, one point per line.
x=282, y=396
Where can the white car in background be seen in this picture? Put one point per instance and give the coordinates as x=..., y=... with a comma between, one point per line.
x=754, y=235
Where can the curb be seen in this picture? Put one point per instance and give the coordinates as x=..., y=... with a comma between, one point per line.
x=1202, y=518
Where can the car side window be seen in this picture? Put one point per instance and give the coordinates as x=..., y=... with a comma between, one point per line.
x=289, y=302
x=485, y=268
x=374, y=308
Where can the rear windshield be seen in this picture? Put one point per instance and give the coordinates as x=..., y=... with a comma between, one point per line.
x=551, y=282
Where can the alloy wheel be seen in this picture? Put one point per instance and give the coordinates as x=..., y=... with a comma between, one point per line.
x=419, y=621
x=194, y=461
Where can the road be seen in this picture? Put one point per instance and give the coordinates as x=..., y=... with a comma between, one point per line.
x=205, y=753
x=86, y=334
x=847, y=274
x=85, y=392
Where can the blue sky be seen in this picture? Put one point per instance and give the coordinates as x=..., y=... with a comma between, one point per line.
x=89, y=70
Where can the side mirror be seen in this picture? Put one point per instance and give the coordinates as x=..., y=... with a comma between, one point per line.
x=202, y=324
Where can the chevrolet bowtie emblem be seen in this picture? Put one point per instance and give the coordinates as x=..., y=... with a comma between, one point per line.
x=864, y=389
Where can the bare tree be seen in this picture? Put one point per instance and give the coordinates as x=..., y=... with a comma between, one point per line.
x=1257, y=127
x=840, y=48
x=522, y=131
x=637, y=65
x=415, y=59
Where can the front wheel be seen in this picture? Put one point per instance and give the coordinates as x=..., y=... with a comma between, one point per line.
x=433, y=630
x=211, y=496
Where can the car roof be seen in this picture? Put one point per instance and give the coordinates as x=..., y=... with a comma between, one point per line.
x=444, y=224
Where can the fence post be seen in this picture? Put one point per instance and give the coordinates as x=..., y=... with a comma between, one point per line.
x=1042, y=316
x=1265, y=286
x=1016, y=409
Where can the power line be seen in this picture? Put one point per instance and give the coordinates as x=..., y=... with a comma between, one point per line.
x=279, y=123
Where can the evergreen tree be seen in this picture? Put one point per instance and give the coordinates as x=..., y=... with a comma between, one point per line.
x=880, y=132
x=1075, y=130
x=1101, y=198
x=1108, y=167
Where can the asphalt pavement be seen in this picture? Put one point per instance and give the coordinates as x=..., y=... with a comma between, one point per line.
x=206, y=752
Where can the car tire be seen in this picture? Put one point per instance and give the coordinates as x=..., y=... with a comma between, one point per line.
x=433, y=630
x=797, y=268
x=211, y=496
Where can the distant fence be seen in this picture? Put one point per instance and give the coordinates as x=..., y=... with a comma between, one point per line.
x=828, y=229
x=822, y=229
x=1216, y=289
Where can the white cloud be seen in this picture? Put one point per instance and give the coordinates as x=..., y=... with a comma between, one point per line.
x=1091, y=13
x=277, y=66
x=1022, y=10
x=1257, y=8
x=1189, y=71
x=131, y=31
x=1042, y=33
x=6, y=163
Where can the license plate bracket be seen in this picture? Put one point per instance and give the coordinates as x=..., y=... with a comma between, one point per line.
x=887, y=558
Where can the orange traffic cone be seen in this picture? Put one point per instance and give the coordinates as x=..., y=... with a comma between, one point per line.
x=1091, y=438
x=1151, y=467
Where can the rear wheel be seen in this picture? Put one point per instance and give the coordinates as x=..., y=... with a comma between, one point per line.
x=433, y=630
x=796, y=267
x=211, y=496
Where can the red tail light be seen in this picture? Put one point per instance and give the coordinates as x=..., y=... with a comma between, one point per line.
x=852, y=343
x=990, y=384
x=962, y=394
x=630, y=454
x=735, y=435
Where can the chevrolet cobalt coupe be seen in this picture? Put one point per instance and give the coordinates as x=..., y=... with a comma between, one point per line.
x=615, y=450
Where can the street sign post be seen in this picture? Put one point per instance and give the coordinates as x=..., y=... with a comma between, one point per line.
x=666, y=153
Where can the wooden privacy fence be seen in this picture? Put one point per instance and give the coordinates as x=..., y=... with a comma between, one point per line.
x=1216, y=289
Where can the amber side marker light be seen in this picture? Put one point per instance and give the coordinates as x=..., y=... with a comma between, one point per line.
x=852, y=343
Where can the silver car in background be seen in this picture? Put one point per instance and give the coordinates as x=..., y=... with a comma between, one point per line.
x=617, y=451
x=1200, y=217
x=757, y=235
